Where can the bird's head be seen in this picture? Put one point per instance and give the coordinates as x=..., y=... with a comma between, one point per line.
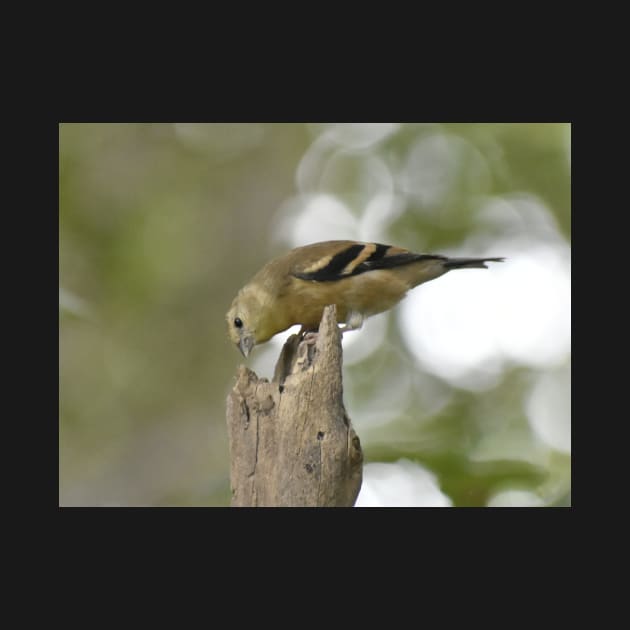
x=246, y=321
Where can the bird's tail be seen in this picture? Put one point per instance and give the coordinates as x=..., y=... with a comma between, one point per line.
x=470, y=263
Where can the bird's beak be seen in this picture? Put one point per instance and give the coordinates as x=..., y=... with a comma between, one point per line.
x=245, y=345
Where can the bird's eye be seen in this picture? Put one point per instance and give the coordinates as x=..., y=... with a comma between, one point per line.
x=238, y=323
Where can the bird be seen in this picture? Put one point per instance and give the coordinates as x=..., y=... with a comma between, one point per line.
x=361, y=279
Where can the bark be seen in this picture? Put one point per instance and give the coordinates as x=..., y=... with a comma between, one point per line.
x=291, y=441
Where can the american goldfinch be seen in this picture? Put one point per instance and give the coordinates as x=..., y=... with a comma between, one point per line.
x=361, y=279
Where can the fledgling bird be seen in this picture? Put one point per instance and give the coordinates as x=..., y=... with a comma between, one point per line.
x=361, y=279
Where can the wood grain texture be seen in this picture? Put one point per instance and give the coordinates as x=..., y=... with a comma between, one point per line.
x=291, y=441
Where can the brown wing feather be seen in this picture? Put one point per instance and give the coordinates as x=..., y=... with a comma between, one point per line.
x=342, y=259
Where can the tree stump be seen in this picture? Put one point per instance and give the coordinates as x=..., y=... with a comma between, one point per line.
x=291, y=440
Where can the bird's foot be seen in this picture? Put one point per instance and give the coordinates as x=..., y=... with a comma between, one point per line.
x=306, y=349
x=354, y=322
x=310, y=338
x=308, y=335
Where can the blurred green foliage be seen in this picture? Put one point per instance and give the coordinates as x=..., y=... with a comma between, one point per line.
x=161, y=224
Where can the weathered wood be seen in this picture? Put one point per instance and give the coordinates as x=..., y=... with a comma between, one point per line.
x=291, y=441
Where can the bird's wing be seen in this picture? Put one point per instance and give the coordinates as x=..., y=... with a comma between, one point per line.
x=336, y=260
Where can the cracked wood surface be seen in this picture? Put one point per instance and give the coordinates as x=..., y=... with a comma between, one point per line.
x=291, y=441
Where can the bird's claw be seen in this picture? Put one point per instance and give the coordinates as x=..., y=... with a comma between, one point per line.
x=306, y=349
x=355, y=322
x=310, y=338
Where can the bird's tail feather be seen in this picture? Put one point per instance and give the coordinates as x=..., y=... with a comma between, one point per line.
x=471, y=263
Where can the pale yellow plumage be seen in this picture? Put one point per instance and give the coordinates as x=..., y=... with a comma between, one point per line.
x=361, y=279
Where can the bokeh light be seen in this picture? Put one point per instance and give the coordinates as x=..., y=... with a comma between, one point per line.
x=402, y=484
